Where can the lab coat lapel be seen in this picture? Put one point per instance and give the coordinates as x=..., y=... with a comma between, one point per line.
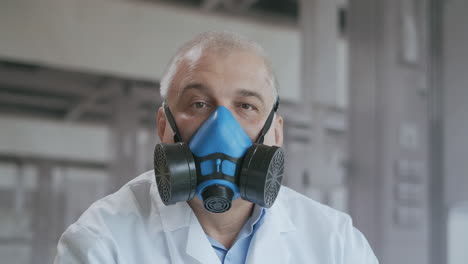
x=181, y=217
x=268, y=244
x=198, y=245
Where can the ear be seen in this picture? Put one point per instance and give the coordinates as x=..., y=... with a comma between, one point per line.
x=278, y=125
x=161, y=123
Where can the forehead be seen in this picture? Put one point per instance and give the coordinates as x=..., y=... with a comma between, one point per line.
x=226, y=71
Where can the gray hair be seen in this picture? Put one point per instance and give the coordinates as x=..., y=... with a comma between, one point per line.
x=219, y=42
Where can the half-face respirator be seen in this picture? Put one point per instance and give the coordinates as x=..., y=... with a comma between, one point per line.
x=219, y=164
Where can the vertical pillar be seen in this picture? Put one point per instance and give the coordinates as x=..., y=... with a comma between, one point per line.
x=364, y=184
x=124, y=135
x=320, y=43
x=41, y=241
x=439, y=211
x=19, y=190
x=449, y=156
x=323, y=93
x=57, y=205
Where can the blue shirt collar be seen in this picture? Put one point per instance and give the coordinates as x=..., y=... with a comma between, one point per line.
x=238, y=252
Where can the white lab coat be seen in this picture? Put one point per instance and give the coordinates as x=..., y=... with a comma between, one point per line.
x=134, y=226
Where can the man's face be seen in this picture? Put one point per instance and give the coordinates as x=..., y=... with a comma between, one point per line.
x=236, y=80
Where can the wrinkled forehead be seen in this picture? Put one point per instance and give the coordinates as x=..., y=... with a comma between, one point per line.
x=197, y=59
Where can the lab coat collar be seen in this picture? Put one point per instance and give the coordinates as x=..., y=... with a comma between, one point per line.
x=268, y=243
x=198, y=246
x=175, y=216
x=172, y=217
x=280, y=215
x=180, y=217
x=267, y=246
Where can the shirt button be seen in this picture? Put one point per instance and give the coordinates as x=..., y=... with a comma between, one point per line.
x=228, y=257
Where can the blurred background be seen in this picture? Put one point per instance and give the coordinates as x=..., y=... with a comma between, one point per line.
x=374, y=94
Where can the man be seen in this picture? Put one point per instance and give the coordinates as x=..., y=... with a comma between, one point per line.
x=215, y=81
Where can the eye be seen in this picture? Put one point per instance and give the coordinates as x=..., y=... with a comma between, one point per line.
x=199, y=104
x=247, y=107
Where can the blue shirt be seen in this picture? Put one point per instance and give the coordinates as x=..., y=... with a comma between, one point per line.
x=238, y=252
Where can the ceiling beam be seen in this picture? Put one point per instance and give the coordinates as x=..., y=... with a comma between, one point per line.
x=238, y=5
x=9, y=98
x=60, y=162
x=210, y=5
x=231, y=5
x=44, y=83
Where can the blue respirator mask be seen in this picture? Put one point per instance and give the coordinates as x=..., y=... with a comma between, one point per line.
x=219, y=164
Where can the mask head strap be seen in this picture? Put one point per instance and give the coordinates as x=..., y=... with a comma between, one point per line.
x=171, y=120
x=268, y=122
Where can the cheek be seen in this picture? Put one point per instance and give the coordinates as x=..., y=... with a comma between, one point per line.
x=168, y=136
x=188, y=125
x=252, y=129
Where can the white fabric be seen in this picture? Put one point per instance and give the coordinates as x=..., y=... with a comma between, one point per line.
x=134, y=226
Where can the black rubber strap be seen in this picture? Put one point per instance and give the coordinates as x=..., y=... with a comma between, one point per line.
x=172, y=123
x=268, y=122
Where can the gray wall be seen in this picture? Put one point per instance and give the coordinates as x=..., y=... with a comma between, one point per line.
x=408, y=127
x=389, y=180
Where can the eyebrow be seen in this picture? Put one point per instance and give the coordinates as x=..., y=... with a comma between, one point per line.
x=250, y=93
x=195, y=86
x=205, y=89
